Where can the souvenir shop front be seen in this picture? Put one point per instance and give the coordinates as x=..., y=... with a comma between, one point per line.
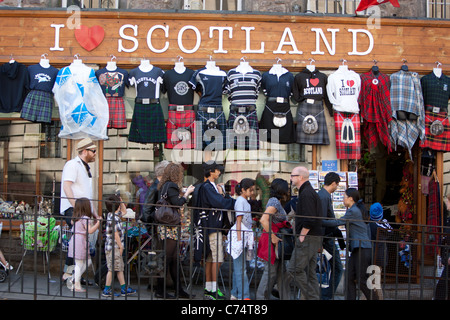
x=260, y=93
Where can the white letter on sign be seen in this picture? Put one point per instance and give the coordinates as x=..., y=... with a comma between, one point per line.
x=319, y=32
x=291, y=42
x=221, y=29
x=149, y=38
x=180, y=36
x=247, y=41
x=355, y=51
x=122, y=35
x=57, y=27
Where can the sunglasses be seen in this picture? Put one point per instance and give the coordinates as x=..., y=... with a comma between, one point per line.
x=92, y=150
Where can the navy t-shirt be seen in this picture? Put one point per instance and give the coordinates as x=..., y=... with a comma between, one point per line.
x=211, y=86
x=112, y=82
x=274, y=86
x=148, y=84
x=42, y=78
x=177, y=87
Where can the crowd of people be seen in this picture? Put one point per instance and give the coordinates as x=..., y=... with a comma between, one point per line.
x=314, y=229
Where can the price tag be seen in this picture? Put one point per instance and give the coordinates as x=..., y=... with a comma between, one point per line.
x=436, y=109
x=180, y=108
x=146, y=101
x=280, y=100
x=211, y=109
x=310, y=101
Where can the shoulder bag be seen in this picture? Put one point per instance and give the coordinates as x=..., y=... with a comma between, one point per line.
x=166, y=214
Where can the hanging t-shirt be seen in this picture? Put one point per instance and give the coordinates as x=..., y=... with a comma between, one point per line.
x=277, y=86
x=112, y=82
x=343, y=90
x=210, y=85
x=148, y=84
x=436, y=91
x=14, y=85
x=311, y=85
x=177, y=87
x=42, y=78
x=83, y=108
x=243, y=88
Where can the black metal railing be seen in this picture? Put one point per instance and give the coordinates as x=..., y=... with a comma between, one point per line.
x=405, y=262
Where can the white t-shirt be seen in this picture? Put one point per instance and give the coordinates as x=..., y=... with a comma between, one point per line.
x=343, y=89
x=75, y=171
x=243, y=208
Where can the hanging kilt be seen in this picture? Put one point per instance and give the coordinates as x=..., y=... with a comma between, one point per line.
x=147, y=124
x=212, y=128
x=348, y=135
x=243, y=134
x=438, y=140
x=117, y=118
x=180, y=124
x=37, y=106
x=286, y=132
x=311, y=124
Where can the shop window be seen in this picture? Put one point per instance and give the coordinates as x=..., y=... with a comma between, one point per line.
x=332, y=6
x=221, y=5
x=439, y=9
x=91, y=4
x=50, y=145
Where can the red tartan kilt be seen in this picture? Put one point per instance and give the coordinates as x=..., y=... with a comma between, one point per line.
x=439, y=142
x=117, y=119
x=347, y=150
x=178, y=120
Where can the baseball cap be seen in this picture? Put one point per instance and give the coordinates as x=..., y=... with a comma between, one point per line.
x=86, y=143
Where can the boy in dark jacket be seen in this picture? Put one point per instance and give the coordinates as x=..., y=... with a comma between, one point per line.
x=209, y=223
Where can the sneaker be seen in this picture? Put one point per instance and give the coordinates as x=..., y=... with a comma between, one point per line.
x=127, y=292
x=70, y=283
x=209, y=295
x=219, y=295
x=109, y=293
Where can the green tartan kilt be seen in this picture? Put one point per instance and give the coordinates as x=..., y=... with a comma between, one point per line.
x=147, y=124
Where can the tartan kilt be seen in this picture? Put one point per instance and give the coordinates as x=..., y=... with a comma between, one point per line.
x=286, y=134
x=247, y=141
x=346, y=150
x=320, y=137
x=202, y=132
x=436, y=142
x=37, y=106
x=117, y=118
x=177, y=121
x=147, y=124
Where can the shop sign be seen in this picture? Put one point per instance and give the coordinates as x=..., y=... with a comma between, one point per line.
x=189, y=39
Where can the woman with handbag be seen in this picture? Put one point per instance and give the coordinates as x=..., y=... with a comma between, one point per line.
x=273, y=219
x=169, y=189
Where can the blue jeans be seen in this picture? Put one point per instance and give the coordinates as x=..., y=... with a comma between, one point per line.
x=336, y=274
x=241, y=288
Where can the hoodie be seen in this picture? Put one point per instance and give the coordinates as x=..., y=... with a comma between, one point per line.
x=14, y=86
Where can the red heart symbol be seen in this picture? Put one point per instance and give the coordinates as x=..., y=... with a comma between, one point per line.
x=89, y=37
x=350, y=83
x=314, y=82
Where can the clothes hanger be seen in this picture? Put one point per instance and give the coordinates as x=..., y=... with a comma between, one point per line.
x=11, y=59
x=77, y=60
x=179, y=65
x=210, y=63
x=404, y=66
x=310, y=66
x=375, y=69
x=343, y=66
x=244, y=66
x=44, y=62
x=111, y=65
x=438, y=70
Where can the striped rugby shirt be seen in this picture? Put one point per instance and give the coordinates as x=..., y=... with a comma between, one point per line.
x=243, y=88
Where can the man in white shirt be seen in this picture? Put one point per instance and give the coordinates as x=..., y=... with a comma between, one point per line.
x=76, y=182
